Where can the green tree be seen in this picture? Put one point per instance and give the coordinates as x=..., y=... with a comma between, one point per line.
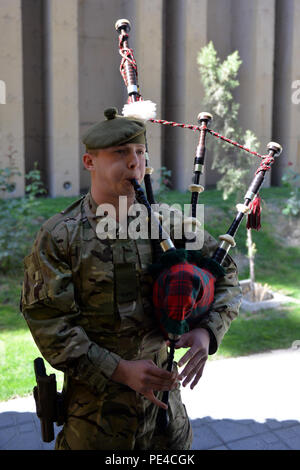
x=219, y=80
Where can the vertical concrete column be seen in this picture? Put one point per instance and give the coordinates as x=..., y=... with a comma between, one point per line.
x=195, y=39
x=185, y=34
x=294, y=147
x=100, y=82
x=11, y=112
x=286, y=117
x=253, y=29
x=219, y=15
x=33, y=85
x=62, y=116
x=219, y=32
x=148, y=29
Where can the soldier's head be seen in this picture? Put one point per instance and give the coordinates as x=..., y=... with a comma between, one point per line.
x=115, y=153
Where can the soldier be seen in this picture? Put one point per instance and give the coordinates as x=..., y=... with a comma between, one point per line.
x=87, y=302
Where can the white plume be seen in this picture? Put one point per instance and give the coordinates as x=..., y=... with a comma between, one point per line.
x=144, y=110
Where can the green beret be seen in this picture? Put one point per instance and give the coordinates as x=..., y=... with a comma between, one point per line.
x=115, y=130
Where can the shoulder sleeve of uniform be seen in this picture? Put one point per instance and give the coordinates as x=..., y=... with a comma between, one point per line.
x=70, y=213
x=73, y=205
x=58, y=226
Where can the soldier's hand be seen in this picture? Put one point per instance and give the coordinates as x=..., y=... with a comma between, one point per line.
x=195, y=358
x=145, y=377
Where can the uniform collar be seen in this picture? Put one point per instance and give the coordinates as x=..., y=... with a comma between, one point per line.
x=92, y=203
x=90, y=209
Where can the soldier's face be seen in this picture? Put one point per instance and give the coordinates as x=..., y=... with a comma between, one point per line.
x=115, y=166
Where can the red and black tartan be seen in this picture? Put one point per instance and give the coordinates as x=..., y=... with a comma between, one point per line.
x=181, y=294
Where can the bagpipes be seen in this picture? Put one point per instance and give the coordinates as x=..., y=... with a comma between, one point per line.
x=184, y=280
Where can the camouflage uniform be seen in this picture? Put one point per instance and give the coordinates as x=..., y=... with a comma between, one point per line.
x=87, y=303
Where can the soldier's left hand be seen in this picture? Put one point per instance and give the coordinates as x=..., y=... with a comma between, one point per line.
x=195, y=358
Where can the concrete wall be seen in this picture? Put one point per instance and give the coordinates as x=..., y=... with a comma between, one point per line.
x=11, y=113
x=286, y=124
x=185, y=34
x=33, y=86
x=100, y=82
x=70, y=74
x=253, y=35
x=61, y=96
x=148, y=45
x=219, y=28
x=231, y=25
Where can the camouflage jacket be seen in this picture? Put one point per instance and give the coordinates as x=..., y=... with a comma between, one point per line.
x=87, y=301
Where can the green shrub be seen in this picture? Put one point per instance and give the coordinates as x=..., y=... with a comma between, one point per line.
x=219, y=79
x=17, y=223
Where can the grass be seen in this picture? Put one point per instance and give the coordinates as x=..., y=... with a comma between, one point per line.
x=267, y=330
x=276, y=265
x=17, y=347
x=255, y=333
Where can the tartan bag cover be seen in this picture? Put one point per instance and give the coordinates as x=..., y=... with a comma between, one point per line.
x=181, y=294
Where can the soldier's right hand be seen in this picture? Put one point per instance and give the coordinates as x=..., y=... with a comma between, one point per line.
x=145, y=377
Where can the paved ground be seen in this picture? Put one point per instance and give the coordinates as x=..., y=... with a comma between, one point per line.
x=248, y=403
